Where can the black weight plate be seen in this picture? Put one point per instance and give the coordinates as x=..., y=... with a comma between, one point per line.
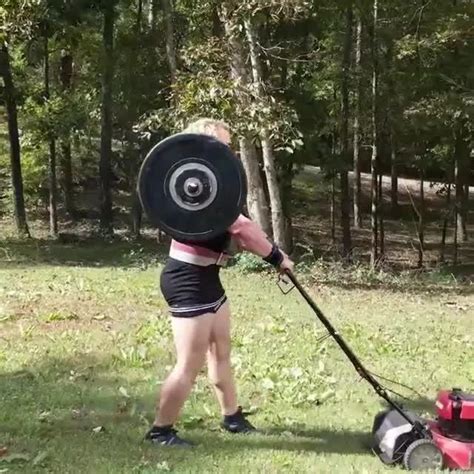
x=154, y=186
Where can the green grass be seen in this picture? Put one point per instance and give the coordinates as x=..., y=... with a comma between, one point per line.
x=86, y=346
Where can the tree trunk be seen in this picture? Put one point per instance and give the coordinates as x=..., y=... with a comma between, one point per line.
x=217, y=27
x=461, y=156
x=52, y=180
x=421, y=220
x=105, y=171
x=356, y=127
x=14, y=137
x=373, y=160
x=381, y=224
x=333, y=183
x=442, y=250
x=256, y=201
x=455, y=240
x=393, y=173
x=170, y=45
x=391, y=103
x=153, y=8
x=138, y=25
x=66, y=156
x=344, y=180
x=278, y=218
x=447, y=215
x=287, y=192
x=53, y=214
x=333, y=209
x=466, y=191
x=136, y=215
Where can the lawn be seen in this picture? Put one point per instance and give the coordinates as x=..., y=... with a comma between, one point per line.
x=85, y=342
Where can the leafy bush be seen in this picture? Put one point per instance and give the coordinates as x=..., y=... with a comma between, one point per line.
x=249, y=263
x=33, y=169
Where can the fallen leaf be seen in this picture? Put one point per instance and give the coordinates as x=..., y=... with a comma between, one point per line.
x=40, y=457
x=163, y=466
x=124, y=392
x=44, y=415
x=326, y=396
x=268, y=384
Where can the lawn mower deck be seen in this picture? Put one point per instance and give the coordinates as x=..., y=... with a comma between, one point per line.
x=453, y=430
x=400, y=436
x=418, y=444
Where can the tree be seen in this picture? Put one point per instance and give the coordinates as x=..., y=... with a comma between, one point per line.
x=392, y=140
x=461, y=175
x=356, y=124
x=15, y=157
x=448, y=211
x=256, y=200
x=393, y=170
x=52, y=184
x=344, y=180
x=373, y=160
x=278, y=221
x=170, y=43
x=106, y=215
x=66, y=72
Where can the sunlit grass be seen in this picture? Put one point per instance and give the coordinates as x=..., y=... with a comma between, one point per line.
x=84, y=349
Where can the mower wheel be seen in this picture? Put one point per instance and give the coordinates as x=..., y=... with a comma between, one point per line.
x=423, y=455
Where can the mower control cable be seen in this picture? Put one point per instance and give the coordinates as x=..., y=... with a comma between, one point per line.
x=361, y=370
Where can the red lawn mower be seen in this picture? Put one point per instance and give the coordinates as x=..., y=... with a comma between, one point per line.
x=400, y=436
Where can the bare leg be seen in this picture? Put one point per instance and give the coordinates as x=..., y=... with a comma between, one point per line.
x=191, y=338
x=218, y=360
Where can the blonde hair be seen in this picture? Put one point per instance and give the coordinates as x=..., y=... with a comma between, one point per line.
x=206, y=126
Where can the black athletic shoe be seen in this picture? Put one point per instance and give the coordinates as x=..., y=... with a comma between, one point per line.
x=167, y=437
x=237, y=423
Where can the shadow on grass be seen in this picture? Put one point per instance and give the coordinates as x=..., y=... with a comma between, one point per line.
x=319, y=440
x=61, y=401
x=84, y=252
x=313, y=441
x=421, y=406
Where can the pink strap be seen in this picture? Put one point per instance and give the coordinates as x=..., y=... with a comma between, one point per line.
x=194, y=249
x=196, y=255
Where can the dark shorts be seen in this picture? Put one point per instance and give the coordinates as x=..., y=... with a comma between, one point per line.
x=191, y=290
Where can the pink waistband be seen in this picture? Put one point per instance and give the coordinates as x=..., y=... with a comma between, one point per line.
x=196, y=255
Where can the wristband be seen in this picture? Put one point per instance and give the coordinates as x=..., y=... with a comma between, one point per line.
x=275, y=257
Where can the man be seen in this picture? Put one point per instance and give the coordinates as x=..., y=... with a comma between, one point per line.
x=200, y=315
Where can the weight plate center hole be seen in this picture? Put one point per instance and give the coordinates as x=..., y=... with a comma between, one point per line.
x=193, y=187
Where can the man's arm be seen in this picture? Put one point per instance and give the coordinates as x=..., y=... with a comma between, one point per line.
x=250, y=236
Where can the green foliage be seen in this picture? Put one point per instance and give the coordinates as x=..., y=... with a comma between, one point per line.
x=19, y=18
x=203, y=88
x=249, y=263
x=425, y=64
x=56, y=117
x=33, y=171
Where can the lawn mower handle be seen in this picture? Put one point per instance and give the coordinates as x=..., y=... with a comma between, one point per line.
x=361, y=370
